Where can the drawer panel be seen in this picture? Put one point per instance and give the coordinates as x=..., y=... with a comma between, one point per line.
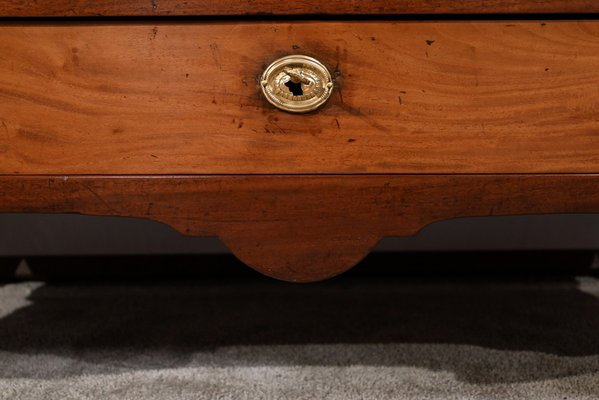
x=268, y=7
x=410, y=97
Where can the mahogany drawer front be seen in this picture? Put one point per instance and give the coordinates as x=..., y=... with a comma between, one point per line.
x=409, y=97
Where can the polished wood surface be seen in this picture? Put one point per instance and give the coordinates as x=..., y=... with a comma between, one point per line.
x=301, y=228
x=23, y=8
x=163, y=119
x=458, y=97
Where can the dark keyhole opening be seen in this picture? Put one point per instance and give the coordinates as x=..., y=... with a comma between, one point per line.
x=295, y=88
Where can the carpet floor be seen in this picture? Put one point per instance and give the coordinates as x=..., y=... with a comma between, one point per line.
x=345, y=339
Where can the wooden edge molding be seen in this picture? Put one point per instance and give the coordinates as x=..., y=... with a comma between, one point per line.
x=301, y=228
x=84, y=8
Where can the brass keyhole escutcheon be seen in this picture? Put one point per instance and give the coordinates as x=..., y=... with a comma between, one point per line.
x=297, y=84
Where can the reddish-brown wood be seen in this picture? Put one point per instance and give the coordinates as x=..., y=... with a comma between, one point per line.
x=459, y=97
x=100, y=115
x=24, y=8
x=301, y=228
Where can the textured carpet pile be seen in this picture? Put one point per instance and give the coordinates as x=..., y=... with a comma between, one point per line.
x=259, y=339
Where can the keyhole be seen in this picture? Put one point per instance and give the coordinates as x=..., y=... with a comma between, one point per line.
x=295, y=88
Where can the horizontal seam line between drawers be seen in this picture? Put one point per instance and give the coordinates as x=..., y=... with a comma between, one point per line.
x=423, y=17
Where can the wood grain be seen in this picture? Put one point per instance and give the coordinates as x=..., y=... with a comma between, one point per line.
x=460, y=97
x=302, y=228
x=54, y=8
x=490, y=97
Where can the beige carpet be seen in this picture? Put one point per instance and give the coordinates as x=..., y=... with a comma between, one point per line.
x=345, y=339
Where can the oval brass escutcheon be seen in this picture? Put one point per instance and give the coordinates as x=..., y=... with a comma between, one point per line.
x=297, y=84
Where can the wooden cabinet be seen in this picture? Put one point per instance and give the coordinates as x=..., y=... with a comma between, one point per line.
x=439, y=109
